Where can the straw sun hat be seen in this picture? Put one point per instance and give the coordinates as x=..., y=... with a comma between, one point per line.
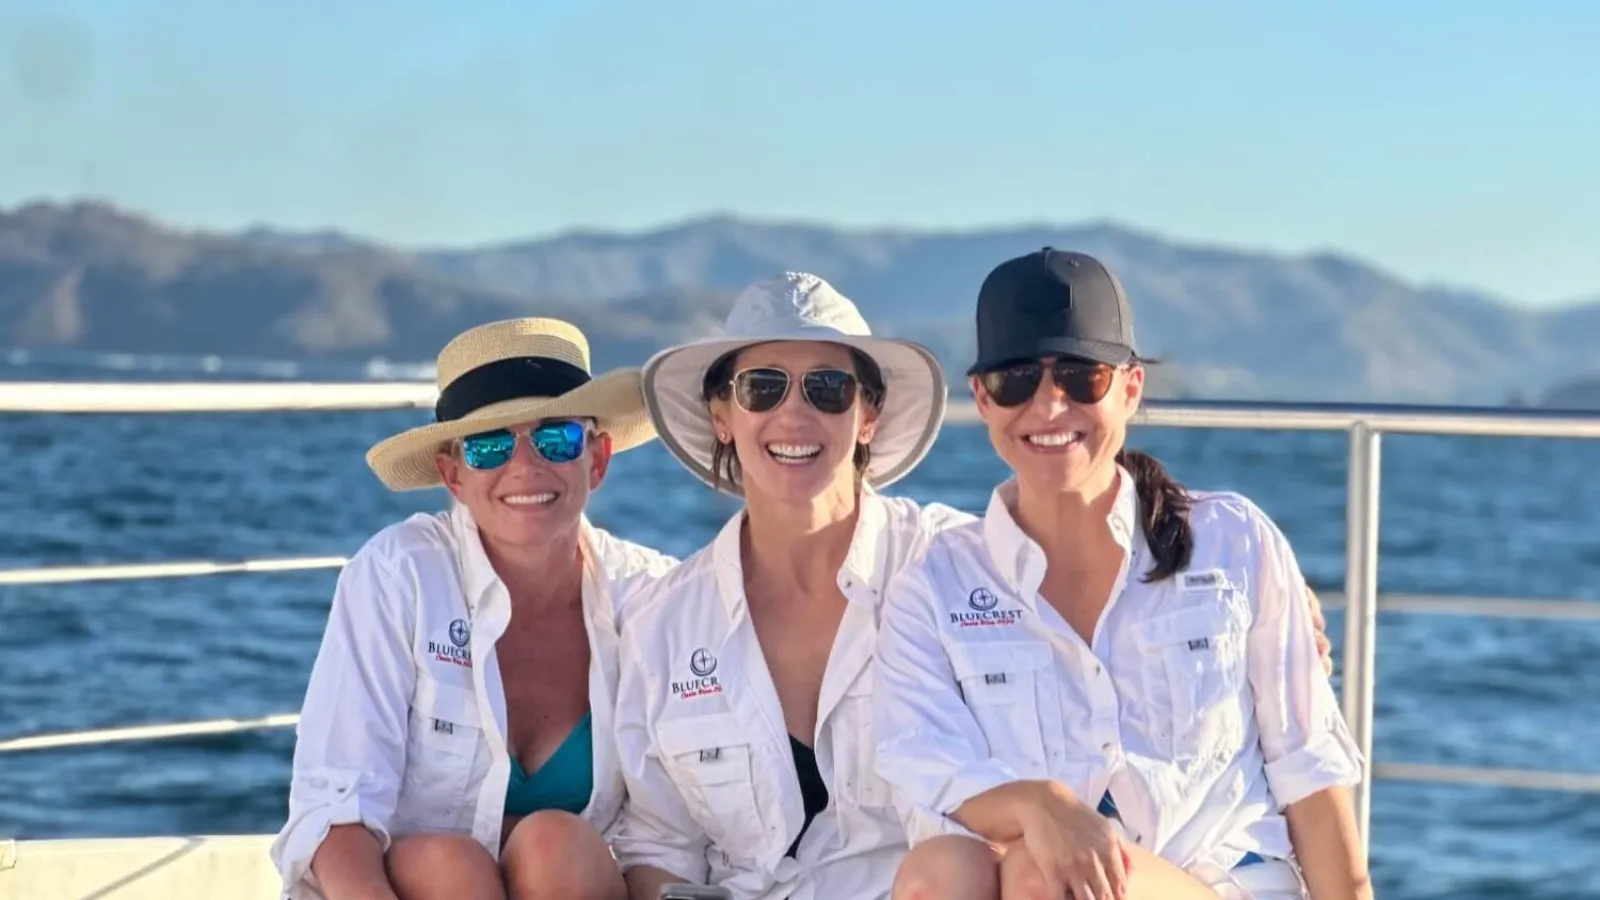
x=798, y=307
x=505, y=373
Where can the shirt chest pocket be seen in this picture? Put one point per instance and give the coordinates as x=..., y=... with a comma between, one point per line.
x=1196, y=680
x=441, y=749
x=712, y=763
x=1002, y=683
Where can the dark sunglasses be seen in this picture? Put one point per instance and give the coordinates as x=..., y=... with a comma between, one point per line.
x=1082, y=382
x=760, y=390
x=557, y=442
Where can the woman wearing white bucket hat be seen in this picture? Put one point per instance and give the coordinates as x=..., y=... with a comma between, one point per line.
x=744, y=706
x=455, y=737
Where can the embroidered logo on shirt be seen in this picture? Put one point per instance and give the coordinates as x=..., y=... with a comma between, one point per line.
x=1200, y=644
x=443, y=727
x=983, y=602
x=702, y=663
x=455, y=649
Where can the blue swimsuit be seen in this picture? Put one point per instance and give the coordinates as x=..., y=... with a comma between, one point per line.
x=564, y=782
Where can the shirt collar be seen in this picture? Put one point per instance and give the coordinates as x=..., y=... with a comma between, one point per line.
x=862, y=577
x=1021, y=561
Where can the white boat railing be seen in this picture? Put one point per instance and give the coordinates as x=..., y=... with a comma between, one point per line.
x=1365, y=425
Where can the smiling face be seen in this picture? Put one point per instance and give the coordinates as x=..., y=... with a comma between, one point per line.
x=1056, y=444
x=526, y=501
x=794, y=452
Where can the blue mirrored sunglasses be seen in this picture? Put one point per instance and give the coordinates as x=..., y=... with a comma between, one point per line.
x=558, y=442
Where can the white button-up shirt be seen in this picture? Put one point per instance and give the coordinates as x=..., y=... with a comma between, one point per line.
x=713, y=794
x=1200, y=704
x=403, y=728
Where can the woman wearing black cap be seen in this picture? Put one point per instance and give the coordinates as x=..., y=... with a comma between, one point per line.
x=1108, y=687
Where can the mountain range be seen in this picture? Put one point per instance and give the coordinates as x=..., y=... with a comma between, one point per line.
x=1228, y=323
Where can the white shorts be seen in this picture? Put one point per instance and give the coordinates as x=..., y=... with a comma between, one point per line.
x=1274, y=879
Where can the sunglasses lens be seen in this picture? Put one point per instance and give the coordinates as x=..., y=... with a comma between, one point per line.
x=489, y=450
x=559, y=442
x=1083, y=383
x=1013, y=385
x=760, y=390
x=831, y=391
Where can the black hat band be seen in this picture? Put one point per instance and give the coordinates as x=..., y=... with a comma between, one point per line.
x=506, y=379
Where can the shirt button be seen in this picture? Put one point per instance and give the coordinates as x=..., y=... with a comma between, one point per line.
x=1106, y=747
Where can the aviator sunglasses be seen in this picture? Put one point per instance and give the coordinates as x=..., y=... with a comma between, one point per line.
x=1082, y=382
x=557, y=442
x=759, y=390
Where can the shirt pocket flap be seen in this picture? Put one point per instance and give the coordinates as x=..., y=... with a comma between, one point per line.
x=1195, y=627
x=446, y=703
x=714, y=748
x=999, y=672
x=978, y=659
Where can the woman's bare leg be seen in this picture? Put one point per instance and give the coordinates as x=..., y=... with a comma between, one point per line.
x=553, y=855
x=949, y=867
x=442, y=867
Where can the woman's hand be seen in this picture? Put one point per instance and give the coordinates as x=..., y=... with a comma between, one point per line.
x=1320, y=625
x=1079, y=852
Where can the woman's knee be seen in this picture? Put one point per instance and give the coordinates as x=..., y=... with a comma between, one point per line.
x=949, y=867
x=442, y=867
x=553, y=854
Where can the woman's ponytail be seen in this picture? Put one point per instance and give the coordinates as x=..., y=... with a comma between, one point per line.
x=1164, y=506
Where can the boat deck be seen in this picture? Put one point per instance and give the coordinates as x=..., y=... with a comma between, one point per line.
x=234, y=867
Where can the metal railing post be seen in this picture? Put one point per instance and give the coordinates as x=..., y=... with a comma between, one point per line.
x=1361, y=611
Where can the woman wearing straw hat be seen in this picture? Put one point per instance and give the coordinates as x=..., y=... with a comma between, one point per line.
x=744, y=713
x=1109, y=686
x=455, y=737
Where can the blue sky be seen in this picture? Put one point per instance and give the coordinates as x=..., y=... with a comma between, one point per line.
x=1455, y=142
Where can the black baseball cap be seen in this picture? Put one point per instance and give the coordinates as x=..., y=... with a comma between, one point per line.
x=1052, y=303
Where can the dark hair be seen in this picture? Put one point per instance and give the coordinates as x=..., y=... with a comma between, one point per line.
x=1164, y=507
x=717, y=385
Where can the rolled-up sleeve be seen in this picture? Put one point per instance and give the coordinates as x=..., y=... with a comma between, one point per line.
x=1304, y=738
x=655, y=828
x=350, y=747
x=929, y=745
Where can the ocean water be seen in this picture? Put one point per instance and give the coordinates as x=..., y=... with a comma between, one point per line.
x=1479, y=516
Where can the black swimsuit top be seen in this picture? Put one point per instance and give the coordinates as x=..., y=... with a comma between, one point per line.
x=813, y=792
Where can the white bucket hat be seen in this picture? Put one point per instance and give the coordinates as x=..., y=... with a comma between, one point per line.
x=798, y=307
x=504, y=373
